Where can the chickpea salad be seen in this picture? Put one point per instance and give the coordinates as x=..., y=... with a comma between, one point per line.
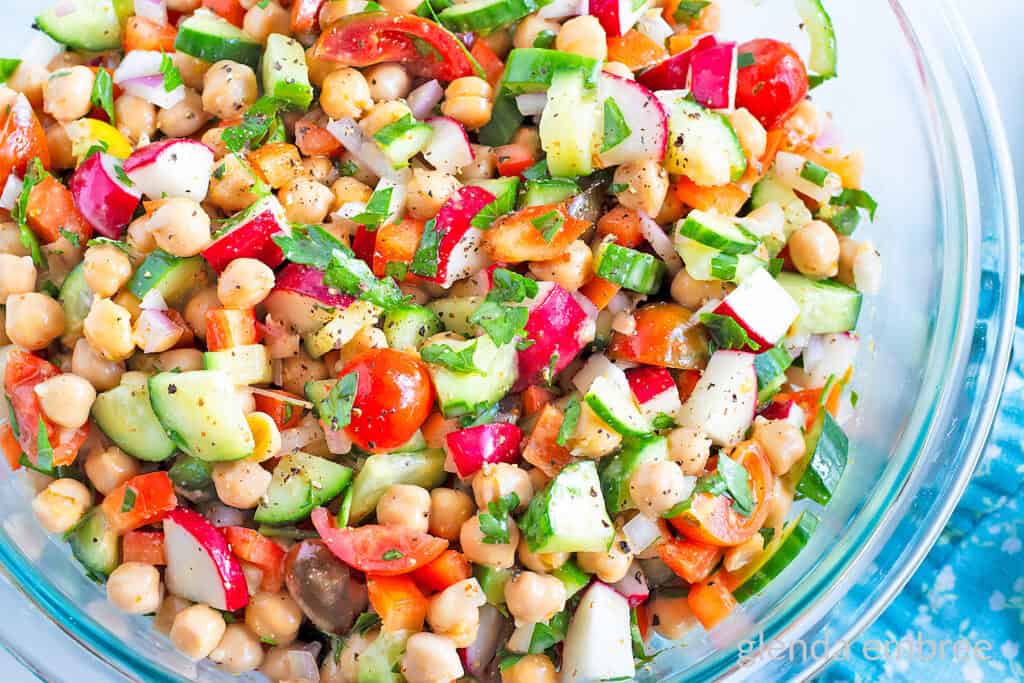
x=421, y=341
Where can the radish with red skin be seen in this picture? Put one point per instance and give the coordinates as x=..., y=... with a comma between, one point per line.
x=713, y=73
x=724, y=400
x=251, y=236
x=301, y=301
x=460, y=252
x=789, y=411
x=309, y=282
x=449, y=148
x=643, y=113
x=633, y=586
x=177, y=167
x=557, y=324
x=762, y=308
x=200, y=564
x=616, y=16
x=105, y=201
x=473, y=447
x=674, y=72
x=655, y=391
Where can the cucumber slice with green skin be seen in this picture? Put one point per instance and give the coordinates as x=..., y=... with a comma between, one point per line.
x=718, y=232
x=200, y=415
x=174, y=277
x=776, y=556
x=769, y=189
x=284, y=70
x=460, y=393
x=572, y=577
x=191, y=474
x=569, y=515
x=549, y=191
x=485, y=16
x=771, y=367
x=818, y=25
x=95, y=544
x=377, y=662
x=424, y=468
x=631, y=269
x=76, y=300
x=403, y=139
x=818, y=473
x=616, y=470
x=206, y=36
x=246, y=364
x=344, y=510
x=300, y=483
x=340, y=330
x=92, y=25
x=125, y=415
x=705, y=263
x=702, y=144
x=454, y=312
x=568, y=124
x=612, y=400
x=825, y=306
x=532, y=69
x=407, y=327
x=492, y=582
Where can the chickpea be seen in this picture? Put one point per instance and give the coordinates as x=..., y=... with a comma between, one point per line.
x=499, y=41
x=469, y=100
x=752, y=135
x=139, y=237
x=67, y=93
x=108, y=327
x=241, y=483
x=740, y=555
x=10, y=240
x=542, y=563
x=88, y=363
x=656, y=487
x=244, y=283
x=192, y=69
x=349, y=190
x=814, y=249
x=571, y=269
x=184, y=118
x=455, y=612
x=108, y=468
x=691, y=448
x=610, y=566
x=66, y=399
x=181, y=359
x=279, y=162
x=61, y=504
x=33, y=320
x=274, y=616
x=672, y=617
x=229, y=88
x=169, y=609
x=17, y=275
x=624, y=322
x=530, y=669
x=201, y=303
x=539, y=478
x=135, y=588
x=529, y=136
x=647, y=185
x=136, y=118
x=388, y=81
x=860, y=265
x=449, y=511
x=298, y=370
x=531, y=27
x=260, y=22
x=692, y=294
x=583, y=36
x=62, y=154
x=498, y=480
x=532, y=597
x=107, y=269
x=383, y=114
x=238, y=651
x=496, y=555
x=405, y=506
x=346, y=668
x=483, y=166
x=197, y=630
x=430, y=658
x=428, y=190
x=618, y=69
x=305, y=200
x=30, y=80
x=782, y=442
x=181, y=227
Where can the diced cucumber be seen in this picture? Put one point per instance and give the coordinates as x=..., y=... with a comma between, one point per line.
x=548, y=191
x=532, y=69
x=825, y=305
x=616, y=470
x=454, y=312
x=407, y=327
x=208, y=37
x=95, y=544
x=285, y=74
x=246, y=364
x=461, y=393
x=818, y=25
x=492, y=581
x=174, y=277
x=818, y=473
x=200, y=414
x=403, y=139
x=345, y=325
x=705, y=263
x=377, y=662
x=717, y=232
x=568, y=125
x=191, y=474
x=771, y=367
x=569, y=515
x=485, y=16
x=631, y=269
x=505, y=191
x=612, y=400
x=300, y=483
x=91, y=25
x=777, y=555
x=572, y=577
x=424, y=468
x=76, y=300
x=702, y=144
x=126, y=416
x=768, y=189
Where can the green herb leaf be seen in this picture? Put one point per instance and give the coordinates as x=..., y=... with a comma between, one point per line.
x=103, y=94
x=351, y=275
x=377, y=209
x=255, y=125
x=814, y=80
x=44, y=451
x=336, y=408
x=71, y=237
x=616, y=188
x=128, y=504
x=309, y=245
x=7, y=67
x=814, y=173
x=12, y=419
x=483, y=413
x=501, y=323
x=546, y=636
x=662, y=421
x=425, y=260
x=392, y=555
x=548, y=224
x=34, y=175
x=172, y=77
x=854, y=398
x=858, y=198
x=545, y=39
x=262, y=4
x=106, y=241
x=775, y=266
x=494, y=522
x=548, y=373
x=347, y=168
x=396, y=269
x=501, y=205
x=736, y=478
x=446, y=356
x=615, y=127
x=569, y=421
x=49, y=288
x=508, y=660
x=219, y=172
x=767, y=533
x=367, y=621
x=123, y=176
x=509, y=286
x=726, y=333
x=689, y=10
x=538, y=171
x=744, y=59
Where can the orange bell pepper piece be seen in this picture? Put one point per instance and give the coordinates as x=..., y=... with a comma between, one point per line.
x=448, y=569
x=400, y=604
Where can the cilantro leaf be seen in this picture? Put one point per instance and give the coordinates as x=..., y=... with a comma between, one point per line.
x=502, y=204
x=744, y=59
x=456, y=361
x=538, y=171
x=172, y=77
x=548, y=224
x=545, y=39
x=103, y=93
x=484, y=413
x=735, y=477
x=569, y=421
x=396, y=269
x=548, y=635
x=33, y=176
x=424, y=261
x=71, y=237
x=309, y=245
x=44, y=451
x=615, y=127
x=857, y=198
x=377, y=209
x=508, y=659
x=617, y=188
x=501, y=323
x=367, y=621
x=726, y=333
x=347, y=168
x=662, y=421
x=336, y=408
x=351, y=275
x=392, y=554
x=494, y=522
x=255, y=125
x=767, y=533
x=12, y=419
x=128, y=503
x=689, y=10
x=507, y=285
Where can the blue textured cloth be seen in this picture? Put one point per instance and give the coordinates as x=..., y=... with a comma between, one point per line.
x=971, y=586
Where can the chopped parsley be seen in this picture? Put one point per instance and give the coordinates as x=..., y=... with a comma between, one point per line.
x=546, y=636
x=545, y=39
x=617, y=188
x=446, y=356
x=106, y=241
x=122, y=175
x=494, y=522
x=392, y=554
x=172, y=77
x=548, y=224
x=569, y=421
x=726, y=333
x=427, y=255
x=662, y=421
x=103, y=93
x=336, y=408
x=256, y=124
x=128, y=503
x=71, y=237
x=44, y=451
x=367, y=621
x=377, y=209
x=33, y=176
x=615, y=127
x=538, y=171
x=735, y=476
x=745, y=59
x=688, y=10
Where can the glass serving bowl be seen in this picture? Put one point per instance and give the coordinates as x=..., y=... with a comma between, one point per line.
x=913, y=96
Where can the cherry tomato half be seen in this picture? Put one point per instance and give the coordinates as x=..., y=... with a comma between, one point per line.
x=21, y=139
x=393, y=398
x=774, y=84
x=664, y=336
x=378, y=549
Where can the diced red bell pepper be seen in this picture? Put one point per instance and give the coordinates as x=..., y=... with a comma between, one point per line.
x=231, y=10
x=491, y=63
x=400, y=604
x=363, y=244
x=145, y=34
x=151, y=497
x=448, y=569
x=692, y=561
x=230, y=327
x=143, y=546
x=711, y=602
x=313, y=140
x=257, y=549
x=473, y=447
x=513, y=158
x=396, y=243
x=542, y=449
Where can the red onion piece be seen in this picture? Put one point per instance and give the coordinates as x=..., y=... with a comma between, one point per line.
x=531, y=104
x=154, y=10
x=660, y=243
x=12, y=190
x=364, y=150
x=424, y=98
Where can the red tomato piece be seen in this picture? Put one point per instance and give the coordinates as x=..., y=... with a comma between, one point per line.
x=51, y=208
x=378, y=549
x=285, y=414
x=257, y=549
x=231, y=10
x=690, y=560
x=687, y=382
x=313, y=140
x=143, y=546
x=393, y=398
x=488, y=61
x=22, y=139
x=151, y=498
x=664, y=336
x=513, y=159
x=774, y=84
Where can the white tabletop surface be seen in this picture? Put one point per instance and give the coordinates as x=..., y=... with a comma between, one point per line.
x=989, y=22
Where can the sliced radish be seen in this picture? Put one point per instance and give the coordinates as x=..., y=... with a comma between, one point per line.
x=616, y=16
x=633, y=586
x=460, y=252
x=789, y=411
x=644, y=114
x=449, y=148
x=200, y=565
x=139, y=74
x=713, y=76
x=250, y=235
x=762, y=308
x=471, y=448
x=674, y=72
x=301, y=302
x=559, y=328
x=102, y=197
x=493, y=630
x=598, y=645
x=655, y=390
x=829, y=355
x=177, y=167
x=723, y=402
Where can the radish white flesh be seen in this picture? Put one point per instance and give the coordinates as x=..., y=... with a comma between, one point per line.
x=633, y=586
x=449, y=148
x=200, y=565
x=644, y=114
x=829, y=355
x=723, y=402
x=762, y=307
x=178, y=167
x=598, y=645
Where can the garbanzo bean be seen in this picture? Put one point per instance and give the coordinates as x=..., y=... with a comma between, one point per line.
x=136, y=118
x=135, y=588
x=244, y=283
x=428, y=190
x=201, y=303
x=180, y=227
x=33, y=320
x=169, y=608
x=106, y=269
x=542, y=563
x=305, y=200
x=197, y=630
x=814, y=250
x=108, y=327
x=570, y=270
x=657, y=486
x=67, y=92
x=274, y=616
x=530, y=669
x=383, y=114
x=17, y=275
x=192, y=69
x=483, y=166
x=238, y=651
x=468, y=100
x=346, y=668
x=646, y=185
x=531, y=27
x=672, y=617
x=455, y=612
x=532, y=597
x=89, y=363
x=405, y=506
x=184, y=118
x=29, y=80
x=10, y=240
x=229, y=88
x=262, y=20
x=692, y=294
x=348, y=190
x=609, y=566
x=388, y=81
x=62, y=155
x=66, y=399
x=498, y=480
x=691, y=448
x=497, y=555
x=449, y=510
x=60, y=505
x=240, y=484
x=430, y=658
x=320, y=168
x=279, y=162
x=782, y=441
x=618, y=69
x=583, y=36
x=108, y=468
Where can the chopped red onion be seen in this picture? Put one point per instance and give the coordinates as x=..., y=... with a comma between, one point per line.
x=531, y=104
x=12, y=190
x=154, y=10
x=424, y=98
x=153, y=300
x=364, y=150
x=660, y=243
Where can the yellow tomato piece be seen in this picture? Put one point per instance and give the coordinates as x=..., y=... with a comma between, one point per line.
x=265, y=434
